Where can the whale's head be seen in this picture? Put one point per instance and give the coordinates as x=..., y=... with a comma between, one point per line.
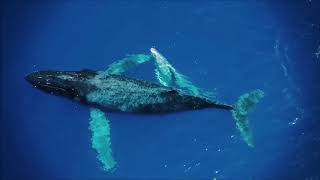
x=70, y=84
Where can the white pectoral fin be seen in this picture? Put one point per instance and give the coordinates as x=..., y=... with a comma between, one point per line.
x=183, y=81
x=101, y=140
x=162, y=79
x=167, y=75
x=123, y=65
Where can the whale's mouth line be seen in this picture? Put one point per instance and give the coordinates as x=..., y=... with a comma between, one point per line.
x=49, y=88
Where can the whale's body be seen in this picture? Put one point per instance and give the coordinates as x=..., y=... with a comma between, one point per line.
x=110, y=91
x=118, y=92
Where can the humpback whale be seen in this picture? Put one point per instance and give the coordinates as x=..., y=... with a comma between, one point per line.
x=111, y=91
x=118, y=92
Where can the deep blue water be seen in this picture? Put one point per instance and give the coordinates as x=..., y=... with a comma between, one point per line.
x=230, y=46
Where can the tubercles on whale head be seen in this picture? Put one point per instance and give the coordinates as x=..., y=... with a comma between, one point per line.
x=71, y=84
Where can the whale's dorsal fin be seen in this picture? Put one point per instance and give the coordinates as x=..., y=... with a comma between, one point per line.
x=101, y=141
x=170, y=92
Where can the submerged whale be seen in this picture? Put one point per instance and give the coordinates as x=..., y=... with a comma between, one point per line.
x=118, y=93
x=111, y=91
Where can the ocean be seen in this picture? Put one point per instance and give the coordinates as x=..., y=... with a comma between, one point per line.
x=226, y=47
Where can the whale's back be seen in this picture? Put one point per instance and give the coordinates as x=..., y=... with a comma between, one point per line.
x=120, y=93
x=125, y=94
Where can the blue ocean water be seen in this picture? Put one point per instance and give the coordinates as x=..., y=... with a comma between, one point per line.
x=230, y=47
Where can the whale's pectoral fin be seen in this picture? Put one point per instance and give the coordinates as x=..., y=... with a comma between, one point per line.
x=130, y=61
x=162, y=79
x=240, y=113
x=167, y=75
x=101, y=141
x=183, y=82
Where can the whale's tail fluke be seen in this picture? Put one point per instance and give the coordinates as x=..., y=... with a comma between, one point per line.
x=240, y=113
x=167, y=75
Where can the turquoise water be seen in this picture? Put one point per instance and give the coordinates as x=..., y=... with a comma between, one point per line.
x=227, y=47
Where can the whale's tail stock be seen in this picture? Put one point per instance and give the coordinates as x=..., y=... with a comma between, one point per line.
x=167, y=75
x=240, y=113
